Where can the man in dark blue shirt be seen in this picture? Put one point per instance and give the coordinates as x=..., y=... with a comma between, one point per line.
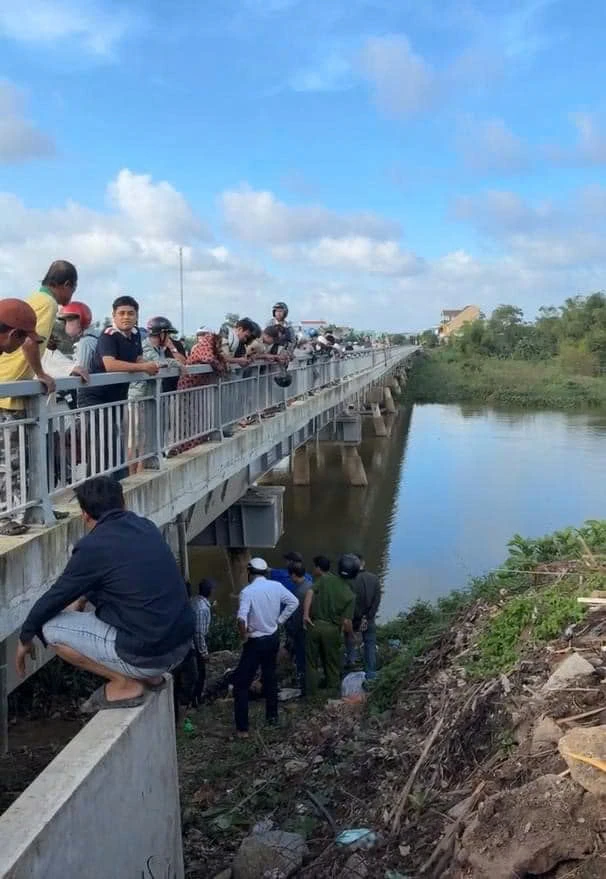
x=119, y=349
x=142, y=625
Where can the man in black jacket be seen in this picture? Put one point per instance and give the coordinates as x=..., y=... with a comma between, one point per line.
x=142, y=625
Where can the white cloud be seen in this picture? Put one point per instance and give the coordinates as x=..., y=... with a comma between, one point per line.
x=156, y=209
x=590, y=146
x=355, y=253
x=132, y=246
x=20, y=139
x=500, y=213
x=403, y=82
x=331, y=74
x=260, y=218
x=490, y=146
x=76, y=26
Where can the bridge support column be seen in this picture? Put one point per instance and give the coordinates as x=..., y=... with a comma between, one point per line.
x=182, y=539
x=390, y=406
x=395, y=385
x=237, y=559
x=320, y=447
x=353, y=466
x=301, y=469
x=3, y=699
x=377, y=420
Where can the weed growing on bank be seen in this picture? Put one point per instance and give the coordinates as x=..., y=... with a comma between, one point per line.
x=443, y=376
x=530, y=600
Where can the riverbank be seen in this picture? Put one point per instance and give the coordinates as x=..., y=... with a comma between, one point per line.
x=450, y=735
x=443, y=377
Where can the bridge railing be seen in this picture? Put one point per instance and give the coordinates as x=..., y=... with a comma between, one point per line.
x=50, y=448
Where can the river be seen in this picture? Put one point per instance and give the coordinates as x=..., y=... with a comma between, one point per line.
x=447, y=490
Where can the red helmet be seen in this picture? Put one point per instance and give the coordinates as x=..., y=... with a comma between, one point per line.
x=77, y=309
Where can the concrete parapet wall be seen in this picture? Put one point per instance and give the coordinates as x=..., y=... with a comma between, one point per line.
x=107, y=806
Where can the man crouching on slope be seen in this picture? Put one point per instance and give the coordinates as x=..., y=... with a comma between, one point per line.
x=142, y=625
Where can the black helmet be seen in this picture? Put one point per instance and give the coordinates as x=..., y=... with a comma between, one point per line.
x=281, y=305
x=349, y=566
x=284, y=380
x=157, y=325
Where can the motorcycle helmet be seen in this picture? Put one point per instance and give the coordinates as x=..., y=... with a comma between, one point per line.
x=349, y=566
x=284, y=380
x=157, y=325
x=77, y=309
x=281, y=305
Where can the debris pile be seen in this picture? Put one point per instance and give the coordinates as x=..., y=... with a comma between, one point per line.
x=462, y=779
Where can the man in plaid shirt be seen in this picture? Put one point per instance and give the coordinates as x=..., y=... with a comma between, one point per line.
x=202, y=613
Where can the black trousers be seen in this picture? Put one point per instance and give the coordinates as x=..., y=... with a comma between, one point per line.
x=256, y=652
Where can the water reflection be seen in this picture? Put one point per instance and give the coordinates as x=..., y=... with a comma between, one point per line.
x=446, y=492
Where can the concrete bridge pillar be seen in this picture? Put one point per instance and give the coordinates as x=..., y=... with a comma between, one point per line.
x=375, y=395
x=378, y=422
x=237, y=560
x=395, y=385
x=390, y=406
x=301, y=471
x=353, y=466
x=320, y=450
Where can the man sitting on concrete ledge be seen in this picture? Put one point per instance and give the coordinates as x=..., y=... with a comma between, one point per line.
x=142, y=625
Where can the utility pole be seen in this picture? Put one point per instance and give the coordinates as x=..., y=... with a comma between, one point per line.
x=181, y=288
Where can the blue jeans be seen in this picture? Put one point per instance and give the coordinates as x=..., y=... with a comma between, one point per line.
x=369, y=641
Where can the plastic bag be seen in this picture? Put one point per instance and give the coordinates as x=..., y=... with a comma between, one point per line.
x=358, y=838
x=353, y=685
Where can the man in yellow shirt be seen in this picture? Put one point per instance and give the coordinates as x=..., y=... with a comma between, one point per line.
x=57, y=288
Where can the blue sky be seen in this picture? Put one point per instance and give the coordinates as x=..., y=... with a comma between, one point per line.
x=371, y=162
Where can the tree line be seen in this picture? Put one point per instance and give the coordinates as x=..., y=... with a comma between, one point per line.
x=574, y=332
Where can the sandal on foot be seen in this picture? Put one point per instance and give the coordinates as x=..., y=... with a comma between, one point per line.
x=10, y=528
x=98, y=701
x=155, y=687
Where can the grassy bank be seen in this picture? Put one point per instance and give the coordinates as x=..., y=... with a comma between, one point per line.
x=530, y=600
x=445, y=377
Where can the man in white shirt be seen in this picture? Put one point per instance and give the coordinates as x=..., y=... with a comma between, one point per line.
x=264, y=605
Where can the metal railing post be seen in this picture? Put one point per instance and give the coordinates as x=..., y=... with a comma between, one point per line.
x=42, y=511
x=160, y=428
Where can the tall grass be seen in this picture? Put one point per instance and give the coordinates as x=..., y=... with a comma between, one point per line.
x=442, y=377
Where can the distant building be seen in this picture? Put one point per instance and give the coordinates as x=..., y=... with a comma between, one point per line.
x=453, y=319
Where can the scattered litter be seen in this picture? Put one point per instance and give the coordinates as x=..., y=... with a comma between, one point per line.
x=358, y=838
x=394, y=643
x=287, y=694
x=263, y=826
x=353, y=685
x=188, y=727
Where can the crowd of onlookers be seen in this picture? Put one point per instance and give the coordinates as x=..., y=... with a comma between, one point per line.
x=28, y=345
x=145, y=624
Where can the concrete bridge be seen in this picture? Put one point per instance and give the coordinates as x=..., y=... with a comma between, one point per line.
x=185, y=492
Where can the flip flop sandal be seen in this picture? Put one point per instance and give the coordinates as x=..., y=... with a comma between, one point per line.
x=10, y=528
x=99, y=702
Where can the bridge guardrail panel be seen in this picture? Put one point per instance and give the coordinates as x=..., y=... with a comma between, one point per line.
x=51, y=449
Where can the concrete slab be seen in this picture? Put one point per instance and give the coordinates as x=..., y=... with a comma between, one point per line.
x=107, y=806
